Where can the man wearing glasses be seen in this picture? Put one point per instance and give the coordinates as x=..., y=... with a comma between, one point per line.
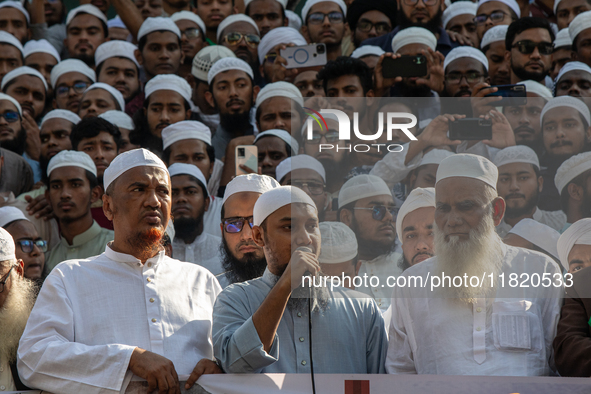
x=240, y=34
x=529, y=45
x=192, y=38
x=324, y=22
x=17, y=296
x=369, y=19
x=367, y=207
x=464, y=68
x=69, y=79
x=495, y=13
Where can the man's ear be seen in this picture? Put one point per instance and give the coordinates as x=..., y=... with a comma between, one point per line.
x=540, y=184
x=575, y=191
x=108, y=207
x=139, y=57
x=358, y=267
x=588, y=134
x=20, y=268
x=257, y=236
x=206, y=203
x=574, y=56
x=262, y=70
x=498, y=210
x=255, y=93
x=306, y=33
x=191, y=80
x=210, y=99
x=508, y=55
x=346, y=217
x=96, y=193
x=285, y=21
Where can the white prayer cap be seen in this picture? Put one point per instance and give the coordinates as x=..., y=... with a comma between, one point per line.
x=338, y=243
x=188, y=169
x=7, y=38
x=293, y=20
x=284, y=135
x=7, y=246
x=537, y=88
x=310, y=3
x=71, y=66
x=206, y=57
x=169, y=82
x=280, y=89
x=151, y=25
x=511, y=3
x=435, y=156
x=516, y=154
x=280, y=35
x=367, y=50
x=18, y=5
x=579, y=233
x=227, y=64
x=71, y=158
x=189, y=16
x=24, y=70
x=40, y=46
x=494, y=34
x=270, y=201
x=234, y=19
x=10, y=214
x=86, y=9
x=170, y=230
x=13, y=101
x=185, y=130
x=61, y=114
x=413, y=35
x=131, y=159
x=116, y=22
x=114, y=92
x=468, y=166
x=579, y=23
x=418, y=198
x=563, y=39
x=464, y=51
x=297, y=163
x=572, y=168
x=283, y=3
x=362, y=186
x=556, y=2
x=115, y=48
x=544, y=237
x=572, y=66
x=249, y=183
x=458, y=8
x=567, y=101
x=118, y=118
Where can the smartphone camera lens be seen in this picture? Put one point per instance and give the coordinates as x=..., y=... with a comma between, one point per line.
x=320, y=49
x=241, y=152
x=419, y=60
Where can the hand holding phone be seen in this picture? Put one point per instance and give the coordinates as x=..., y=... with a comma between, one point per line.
x=474, y=129
x=404, y=66
x=246, y=155
x=304, y=55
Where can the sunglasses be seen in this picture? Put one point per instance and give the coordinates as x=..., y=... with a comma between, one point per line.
x=414, y=2
x=378, y=212
x=235, y=225
x=495, y=17
x=381, y=27
x=27, y=245
x=527, y=47
x=234, y=38
x=318, y=17
x=63, y=90
x=10, y=116
x=191, y=32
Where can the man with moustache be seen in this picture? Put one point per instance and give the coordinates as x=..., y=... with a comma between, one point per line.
x=562, y=53
x=72, y=188
x=86, y=28
x=324, y=22
x=458, y=21
x=468, y=341
x=414, y=227
x=69, y=79
x=13, y=135
x=261, y=326
x=27, y=86
x=61, y=339
x=159, y=45
x=268, y=14
x=193, y=37
x=370, y=19
x=574, y=79
x=242, y=258
x=464, y=67
x=520, y=185
x=491, y=13
x=16, y=301
x=274, y=146
x=240, y=34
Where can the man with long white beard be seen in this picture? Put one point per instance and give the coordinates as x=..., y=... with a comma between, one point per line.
x=150, y=314
x=500, y=328
x=17, y=296
x=267, y=325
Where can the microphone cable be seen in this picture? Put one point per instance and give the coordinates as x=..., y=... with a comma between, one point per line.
x=310, y=336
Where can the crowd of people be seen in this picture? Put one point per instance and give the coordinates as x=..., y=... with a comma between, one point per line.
x=134, y=241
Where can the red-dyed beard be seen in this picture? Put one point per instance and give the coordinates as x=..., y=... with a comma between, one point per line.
x=147, y=242
x=152, y=236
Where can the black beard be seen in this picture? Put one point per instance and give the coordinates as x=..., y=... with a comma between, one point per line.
x=369, y=246
x=413, y=91
x=525, y=75
x=186, y=227
x=530, y=204
x=433, y=25
x=89, y=60
x=236, y=124
x=250, y=267
x=403, y=263
x=17, y=144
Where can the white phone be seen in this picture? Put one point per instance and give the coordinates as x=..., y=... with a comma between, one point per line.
x=305, y=55
x=247, y=155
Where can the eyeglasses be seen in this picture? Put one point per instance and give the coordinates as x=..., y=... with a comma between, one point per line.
x=5, y=279
x=235, y=225
x=495, y=17
x=315, y=188
x=234, y=38
x=63, y=90
x=330, y=137
x=27, y=245
x=456, y=77
x=381, y=27
x=527, y=47
x=10, y=116
x=378, y=212
x=270, y=57
x=428, y=3
x=317, y=18
x=192, y=32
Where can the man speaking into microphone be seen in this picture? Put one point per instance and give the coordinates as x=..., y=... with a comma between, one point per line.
x=263, y=325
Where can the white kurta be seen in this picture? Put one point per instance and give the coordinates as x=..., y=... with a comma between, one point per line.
x=509, y=335
x=91, y=314
x=381, y=267
x=553, y=219
x=212, y=217
x=205, y=251
x=6, y=381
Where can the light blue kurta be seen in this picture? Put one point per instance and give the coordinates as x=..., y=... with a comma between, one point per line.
x=349, y=337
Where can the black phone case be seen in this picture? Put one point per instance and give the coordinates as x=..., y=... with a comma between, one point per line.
x=405, y=66
x=470, y=129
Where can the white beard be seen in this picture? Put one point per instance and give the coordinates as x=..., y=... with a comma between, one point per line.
x=481, y=253
x=14, y=314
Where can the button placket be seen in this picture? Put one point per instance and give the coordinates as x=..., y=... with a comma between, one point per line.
x=300, y=331
x=155, y=326
x=479, y=330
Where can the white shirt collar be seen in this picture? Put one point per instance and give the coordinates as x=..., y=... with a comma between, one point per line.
x=129, y=259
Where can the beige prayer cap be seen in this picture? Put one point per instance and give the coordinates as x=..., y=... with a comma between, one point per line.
x=277, y=198
x=468, y=166
x=338, y=244
x=418, y=198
